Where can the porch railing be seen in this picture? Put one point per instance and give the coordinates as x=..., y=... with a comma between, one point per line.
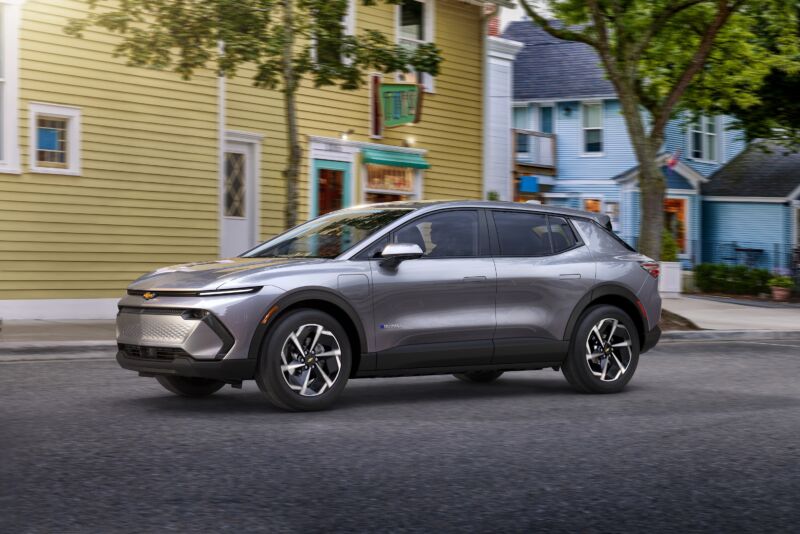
x=535, y=148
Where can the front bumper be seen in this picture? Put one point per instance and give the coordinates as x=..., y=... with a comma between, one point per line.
x=227, y=370
x=650, y=339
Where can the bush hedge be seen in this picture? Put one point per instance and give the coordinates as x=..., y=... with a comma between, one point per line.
x=733, y=279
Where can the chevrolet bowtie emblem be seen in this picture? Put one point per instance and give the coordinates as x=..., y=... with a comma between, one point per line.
x=149, y=295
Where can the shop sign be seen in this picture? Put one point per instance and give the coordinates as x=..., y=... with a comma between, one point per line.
x=394, y=104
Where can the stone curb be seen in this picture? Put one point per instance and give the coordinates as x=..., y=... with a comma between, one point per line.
x=730, y=335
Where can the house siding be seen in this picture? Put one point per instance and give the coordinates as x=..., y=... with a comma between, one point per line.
x=758, y=225
x=147, y=193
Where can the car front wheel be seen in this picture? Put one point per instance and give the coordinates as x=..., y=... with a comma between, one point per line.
x=604, y=351
x=305, y=362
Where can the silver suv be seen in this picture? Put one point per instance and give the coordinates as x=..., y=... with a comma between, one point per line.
x=470, y=288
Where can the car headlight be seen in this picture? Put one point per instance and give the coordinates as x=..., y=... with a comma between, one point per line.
x=232, y=291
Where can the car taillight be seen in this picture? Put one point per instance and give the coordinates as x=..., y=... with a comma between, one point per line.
x=652, y=268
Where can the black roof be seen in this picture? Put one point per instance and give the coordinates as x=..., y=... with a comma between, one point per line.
x=551, y=69
x=757, y=173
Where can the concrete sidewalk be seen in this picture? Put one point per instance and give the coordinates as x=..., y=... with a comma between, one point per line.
x=716, y=314
x=28, y=337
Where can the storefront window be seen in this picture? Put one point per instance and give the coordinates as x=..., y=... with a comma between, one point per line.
x=592, y=205
x=388, y=184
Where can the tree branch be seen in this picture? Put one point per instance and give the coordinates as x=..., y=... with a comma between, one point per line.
x=695, y=64
x=658, y=23
x=560, y=33
x=603, y=46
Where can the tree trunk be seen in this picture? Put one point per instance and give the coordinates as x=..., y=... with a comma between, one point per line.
x=651, y=179
x=292, y=171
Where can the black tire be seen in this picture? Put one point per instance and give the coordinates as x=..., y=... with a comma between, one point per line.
x=190, y=387
x=270, y=378
x=577, y=367
x=481, y=377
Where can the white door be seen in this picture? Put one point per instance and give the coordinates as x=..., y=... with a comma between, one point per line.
x=238, y=229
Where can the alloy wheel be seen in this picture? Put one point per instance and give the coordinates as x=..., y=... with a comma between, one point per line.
x=608, y=350
x=311, y=360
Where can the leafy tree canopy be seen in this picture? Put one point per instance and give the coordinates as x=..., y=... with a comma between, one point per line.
x=184, y=35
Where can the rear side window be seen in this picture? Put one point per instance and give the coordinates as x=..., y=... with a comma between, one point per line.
x=562, y=234
x=522, y=234
x=532, y=234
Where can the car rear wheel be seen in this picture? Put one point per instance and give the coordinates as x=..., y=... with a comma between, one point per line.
x=604, y=351
x=189, y=386
x=305, y=362
x=482, y=377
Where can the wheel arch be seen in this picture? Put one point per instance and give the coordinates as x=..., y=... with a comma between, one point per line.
x=614, y=295
x=318, y=299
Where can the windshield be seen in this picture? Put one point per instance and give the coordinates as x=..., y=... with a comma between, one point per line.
x=328, y=236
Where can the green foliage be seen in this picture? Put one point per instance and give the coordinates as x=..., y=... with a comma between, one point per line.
x=669, y=247
x=731, y=279
x=492, y=195
x=781, y=281
x=184, y=36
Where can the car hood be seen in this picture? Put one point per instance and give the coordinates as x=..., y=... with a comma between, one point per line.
x=206, y=275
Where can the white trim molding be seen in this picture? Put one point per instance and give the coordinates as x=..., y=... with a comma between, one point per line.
x=72, y=115
x=794, y=195
x=10, y=14
x=58, y=309
x=772, y=200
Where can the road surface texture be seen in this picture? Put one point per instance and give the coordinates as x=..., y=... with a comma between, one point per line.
x=706, y=438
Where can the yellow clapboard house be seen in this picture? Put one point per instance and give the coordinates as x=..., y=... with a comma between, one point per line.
x=108, y=171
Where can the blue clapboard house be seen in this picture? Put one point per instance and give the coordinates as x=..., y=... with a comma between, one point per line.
x=572, y=148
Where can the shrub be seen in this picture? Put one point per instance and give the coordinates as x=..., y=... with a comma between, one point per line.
x=733, y=279
x=781, y=281
x=669, y=247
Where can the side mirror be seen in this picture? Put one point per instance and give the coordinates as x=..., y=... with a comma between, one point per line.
x=394, y=253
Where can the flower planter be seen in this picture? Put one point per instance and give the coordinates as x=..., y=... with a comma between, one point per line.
x=669, y=281
x=780, y=294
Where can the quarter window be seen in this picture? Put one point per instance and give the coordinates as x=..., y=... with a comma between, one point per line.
x=562, y=235
x=447, y=234
x=593, y=128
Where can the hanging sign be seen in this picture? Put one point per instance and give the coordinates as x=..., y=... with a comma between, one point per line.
x=394, y=104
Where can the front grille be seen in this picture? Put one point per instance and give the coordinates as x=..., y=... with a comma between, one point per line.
x=152, y=353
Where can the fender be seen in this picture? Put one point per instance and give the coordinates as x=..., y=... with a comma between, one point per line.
x=603, y=290
x=300, y=295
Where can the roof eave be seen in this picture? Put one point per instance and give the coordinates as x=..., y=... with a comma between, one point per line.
x=501, y=3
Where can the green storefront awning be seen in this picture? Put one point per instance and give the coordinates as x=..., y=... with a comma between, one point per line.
x=394, y=159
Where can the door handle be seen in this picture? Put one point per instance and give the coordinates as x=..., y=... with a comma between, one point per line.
x=474, y=278
x=569, y=276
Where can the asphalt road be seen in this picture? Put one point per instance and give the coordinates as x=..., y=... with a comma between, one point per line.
x=705, y=438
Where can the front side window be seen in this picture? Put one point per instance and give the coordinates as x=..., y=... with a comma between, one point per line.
x=447, y=234
x=328, y=236
x=593, y=128
x=415, y=28
x=703, y=139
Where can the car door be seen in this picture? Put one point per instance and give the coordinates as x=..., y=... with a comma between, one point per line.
x=543, y=270
x=437, y=310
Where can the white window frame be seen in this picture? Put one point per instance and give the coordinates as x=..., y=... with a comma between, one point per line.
x=73, y=116
x=9, y=86
x=584, y=129
x=702, y=122
x=429, y=25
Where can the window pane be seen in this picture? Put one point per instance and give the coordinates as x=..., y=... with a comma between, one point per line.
x=411, y=20
x=562, y=234
x=697, y=145
x=521, y=118
x=546, y=119
x=522, y=234
x=234, y=184
x=711, y=125
x=594, y=140
x=711, y=149
x=592, y=205
x=449, y=234
x=592, y=116
x=51, y=142
x=522, y=143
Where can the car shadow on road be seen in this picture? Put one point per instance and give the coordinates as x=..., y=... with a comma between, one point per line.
x=364, y=393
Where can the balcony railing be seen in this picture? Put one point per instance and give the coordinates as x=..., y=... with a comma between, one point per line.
x=535, y=148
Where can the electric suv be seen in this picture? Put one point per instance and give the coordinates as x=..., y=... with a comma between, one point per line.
x=475, y=289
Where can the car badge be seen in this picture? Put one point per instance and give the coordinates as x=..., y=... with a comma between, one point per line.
x=149, y=295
